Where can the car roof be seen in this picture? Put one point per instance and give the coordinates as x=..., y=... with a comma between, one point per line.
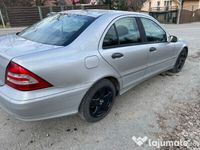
x=99, y=12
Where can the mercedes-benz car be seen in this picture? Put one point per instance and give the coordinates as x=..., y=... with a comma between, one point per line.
x=78, y=61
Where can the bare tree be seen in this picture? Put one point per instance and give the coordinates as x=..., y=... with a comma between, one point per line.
x=135, y=5
x=40, y=2
x=2, y=4
x=61, y=2
x=46, y=2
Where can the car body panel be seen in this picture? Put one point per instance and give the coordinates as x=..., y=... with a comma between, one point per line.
x=3, y=65
x=162, y=58
x=75, y=68
x=13, y=46
x=131, y=66
x=50, y=106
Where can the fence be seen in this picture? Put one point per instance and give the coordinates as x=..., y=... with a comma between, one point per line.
x=2, y=19
x=188, y=16
x=165, y=16
x=167, y=8
x=191, y=7
x=26, y=16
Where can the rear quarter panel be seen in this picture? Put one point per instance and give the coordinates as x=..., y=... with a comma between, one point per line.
x=65, y=68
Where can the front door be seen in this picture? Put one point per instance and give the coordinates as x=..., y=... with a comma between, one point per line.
x=161, y=52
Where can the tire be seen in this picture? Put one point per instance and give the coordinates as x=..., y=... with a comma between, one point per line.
x=98, y=101
x=180, y=61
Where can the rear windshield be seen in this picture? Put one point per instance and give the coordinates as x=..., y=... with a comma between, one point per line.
x=60, y=29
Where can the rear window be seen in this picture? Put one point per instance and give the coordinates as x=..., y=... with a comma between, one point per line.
x=60, y=29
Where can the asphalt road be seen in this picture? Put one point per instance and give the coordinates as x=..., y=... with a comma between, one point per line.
x=136, y=113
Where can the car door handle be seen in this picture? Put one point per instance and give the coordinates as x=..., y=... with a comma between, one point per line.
x=152, y=49
x=117, y=55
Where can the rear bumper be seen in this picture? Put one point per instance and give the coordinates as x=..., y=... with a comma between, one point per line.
x=46, y=107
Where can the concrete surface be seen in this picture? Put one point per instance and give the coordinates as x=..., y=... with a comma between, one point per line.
x=136, y=113
x=10, y=30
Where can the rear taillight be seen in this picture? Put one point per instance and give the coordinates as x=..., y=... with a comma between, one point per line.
x=22, y=79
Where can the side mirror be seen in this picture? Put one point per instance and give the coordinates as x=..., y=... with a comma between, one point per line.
x=172, y=39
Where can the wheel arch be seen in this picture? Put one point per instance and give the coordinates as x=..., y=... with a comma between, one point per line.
x=186, y=47
x=113, y=79
x=115, y=83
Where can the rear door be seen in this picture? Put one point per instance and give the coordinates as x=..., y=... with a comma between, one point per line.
x=122, y=48
x=161, y=53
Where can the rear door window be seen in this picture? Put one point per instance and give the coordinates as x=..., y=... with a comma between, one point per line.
x=123, y=32
x=128, y=31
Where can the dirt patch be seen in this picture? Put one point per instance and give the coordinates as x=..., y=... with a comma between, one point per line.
x=180, y=122
x=195, y=56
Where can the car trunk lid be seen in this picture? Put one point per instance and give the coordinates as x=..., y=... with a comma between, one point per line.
x=12, y=46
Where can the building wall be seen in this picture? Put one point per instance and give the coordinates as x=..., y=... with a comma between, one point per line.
x=191, y=4
x=154, y=3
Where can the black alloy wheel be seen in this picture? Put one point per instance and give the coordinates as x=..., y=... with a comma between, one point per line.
x=101, y=102
x=98, y=101
x=180, y=61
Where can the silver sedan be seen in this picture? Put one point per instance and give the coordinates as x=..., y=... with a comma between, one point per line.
x=77, y=62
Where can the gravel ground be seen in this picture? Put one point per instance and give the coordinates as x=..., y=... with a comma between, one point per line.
x=187, y=125
x=164, y=107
